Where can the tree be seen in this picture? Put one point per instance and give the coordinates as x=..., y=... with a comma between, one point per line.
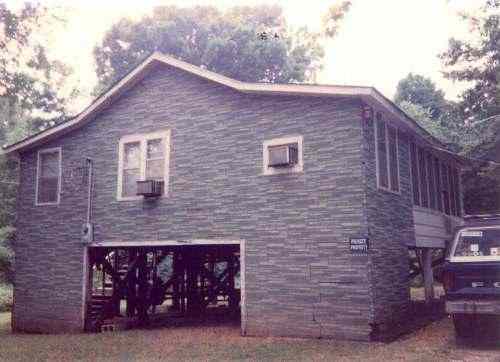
x=419, y=97
x=247, y=43
x=477, y=62
x=29, y=100
x=421, y=91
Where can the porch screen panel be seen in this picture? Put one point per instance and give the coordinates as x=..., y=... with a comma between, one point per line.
x=446, y=188
x=424, y=191
x=382, y=154
x=414, y=174
x=453, y=208
x=439, y=191
x=456, y=182
x=393, y=158
x=432, y=184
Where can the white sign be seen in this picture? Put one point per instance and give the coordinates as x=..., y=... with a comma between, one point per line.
x=472, y=234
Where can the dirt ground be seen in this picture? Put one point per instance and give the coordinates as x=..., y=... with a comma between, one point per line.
x=435, y=342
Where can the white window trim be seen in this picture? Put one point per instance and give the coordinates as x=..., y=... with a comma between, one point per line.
x=389, y=180
x=59, y=182
x=299, y=167
x=142, y=139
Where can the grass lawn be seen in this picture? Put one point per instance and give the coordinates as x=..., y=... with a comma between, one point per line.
x=433, y=343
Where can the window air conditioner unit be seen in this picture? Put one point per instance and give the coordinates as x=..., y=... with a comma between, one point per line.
x=283, y=155
x=150, y=188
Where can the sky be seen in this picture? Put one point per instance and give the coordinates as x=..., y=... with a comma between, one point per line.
x=380, y=41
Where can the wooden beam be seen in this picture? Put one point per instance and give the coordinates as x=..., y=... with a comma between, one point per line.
x=428, y=274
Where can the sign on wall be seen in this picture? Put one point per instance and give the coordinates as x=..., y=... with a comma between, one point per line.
x=359, y=245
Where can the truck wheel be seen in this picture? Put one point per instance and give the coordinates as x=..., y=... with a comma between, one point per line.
x=464, y=325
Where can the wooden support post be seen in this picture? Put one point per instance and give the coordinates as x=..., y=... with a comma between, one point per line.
x=142, y=305
x=131, y=284
x=176, y=275
x=428, y=274
x=155, y=275
x=231, y=264
x=116, y=284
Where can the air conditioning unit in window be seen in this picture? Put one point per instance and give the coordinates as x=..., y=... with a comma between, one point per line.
x=283, y=155
x=150, y=188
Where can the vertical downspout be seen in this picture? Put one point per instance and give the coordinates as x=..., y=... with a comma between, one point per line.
x=90, y=189
x=86, y=271
x=364, y=164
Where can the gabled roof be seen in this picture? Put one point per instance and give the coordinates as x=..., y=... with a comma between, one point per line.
x=369, y=94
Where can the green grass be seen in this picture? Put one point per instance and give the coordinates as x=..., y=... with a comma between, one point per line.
x=433, y=343
x=5, y=297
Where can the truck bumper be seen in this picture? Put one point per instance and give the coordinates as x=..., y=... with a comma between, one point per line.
x=473, y=307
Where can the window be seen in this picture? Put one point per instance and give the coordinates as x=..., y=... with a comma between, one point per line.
x=393, y=158
x=282, y=155
x=142, y=157
x=435, y=183
x=48, y=180
x=387, y=155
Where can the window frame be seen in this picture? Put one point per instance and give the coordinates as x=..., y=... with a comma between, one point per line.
x=282, y=141
x=444, y=194
x=59, y=176
x=387, y=154
x=142, y=139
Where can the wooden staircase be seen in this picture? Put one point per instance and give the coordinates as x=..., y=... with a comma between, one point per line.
x=97, y=311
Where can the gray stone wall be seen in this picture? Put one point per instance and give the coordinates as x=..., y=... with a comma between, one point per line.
x=301, y=279
x=390, y=224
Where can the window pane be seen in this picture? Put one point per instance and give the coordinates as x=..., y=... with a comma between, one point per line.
x=155, y=148
x=155, y=169
x=48, y=189
x=446, y=188
x=48, y=177
x=382, y=155
x=130, y=178
x=414, y=174
x=132, y=155
x=393, y=158
x=432, y=189
x=423, y=178
x=439, y=191
x=49, y=164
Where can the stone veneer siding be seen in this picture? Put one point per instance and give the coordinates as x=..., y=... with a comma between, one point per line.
x=301, y=279
x=390, y=223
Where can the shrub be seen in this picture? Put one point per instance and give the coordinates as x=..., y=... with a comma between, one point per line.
x=5, y=297
x=6, y=254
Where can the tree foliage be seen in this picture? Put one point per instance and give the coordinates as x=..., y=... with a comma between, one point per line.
x=247, y=43
x=29, y=100
x=29, y=79
x=477, y=62
x=421, y=91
